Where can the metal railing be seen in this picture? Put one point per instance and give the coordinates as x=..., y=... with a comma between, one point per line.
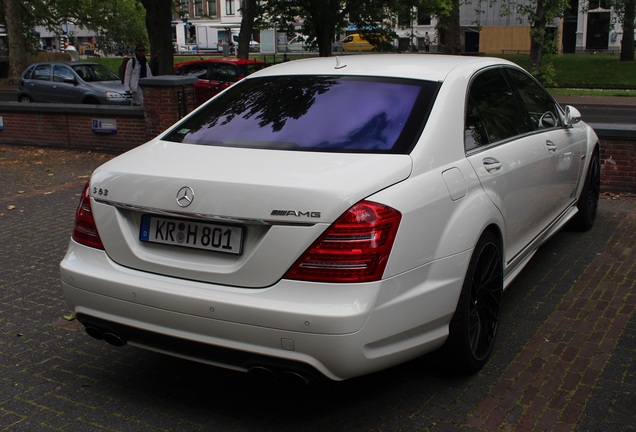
x=186, y=101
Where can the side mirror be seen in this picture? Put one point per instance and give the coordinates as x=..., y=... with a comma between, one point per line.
x=572, y=115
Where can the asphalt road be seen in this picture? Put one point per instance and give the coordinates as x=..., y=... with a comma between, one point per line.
x=565, y=358
x=598, y=109
x=8, y=94
x=593, y=109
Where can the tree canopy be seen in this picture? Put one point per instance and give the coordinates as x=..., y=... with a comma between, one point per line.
x=540, y=13
x=127, y=22
x=323, y=20
x=121, y=22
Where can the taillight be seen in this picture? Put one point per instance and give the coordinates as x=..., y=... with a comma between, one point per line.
x=85, y=231
x=355, y=248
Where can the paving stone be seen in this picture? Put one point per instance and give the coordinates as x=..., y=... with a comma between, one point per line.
x=564, y=359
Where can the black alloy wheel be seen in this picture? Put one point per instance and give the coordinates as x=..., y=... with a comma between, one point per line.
x=474, y=326
x=588, y=201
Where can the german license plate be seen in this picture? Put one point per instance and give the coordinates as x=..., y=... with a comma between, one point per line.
x=192, y=234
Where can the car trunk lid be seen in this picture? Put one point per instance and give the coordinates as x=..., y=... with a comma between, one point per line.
x=280, y=201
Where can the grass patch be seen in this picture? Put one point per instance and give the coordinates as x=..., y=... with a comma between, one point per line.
x=587, y=71
x=592, y=92
x=576, y=74
x=114, y=62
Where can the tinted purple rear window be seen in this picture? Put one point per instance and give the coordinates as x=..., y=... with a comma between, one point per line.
x=316, y=113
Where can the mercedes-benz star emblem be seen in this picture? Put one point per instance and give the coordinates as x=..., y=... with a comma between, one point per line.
x=185, y=196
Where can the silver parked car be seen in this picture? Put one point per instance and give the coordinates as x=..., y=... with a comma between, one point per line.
x=71, y=82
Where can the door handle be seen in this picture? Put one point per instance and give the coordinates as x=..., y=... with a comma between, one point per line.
x=551, y=146
x=491, y=164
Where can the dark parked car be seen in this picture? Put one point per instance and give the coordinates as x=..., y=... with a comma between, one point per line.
x=216, y=74
x=71, y=82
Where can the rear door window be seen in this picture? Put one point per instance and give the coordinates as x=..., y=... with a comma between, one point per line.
x=199, y=69
x=222, y=72
x=314, y=113
x=493, y=111
x=61, y=73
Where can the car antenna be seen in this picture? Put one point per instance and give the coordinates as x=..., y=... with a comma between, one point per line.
x=338, y=64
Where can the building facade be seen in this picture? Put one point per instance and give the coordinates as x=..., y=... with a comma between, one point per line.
x=68, y=33
x=587, y=26
x=196, y=20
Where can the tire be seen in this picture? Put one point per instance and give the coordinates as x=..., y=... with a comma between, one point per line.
x=24, y=99
x=588, y=201
x=474, y=326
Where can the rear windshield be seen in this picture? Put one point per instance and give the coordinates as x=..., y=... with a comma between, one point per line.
x=313, y=113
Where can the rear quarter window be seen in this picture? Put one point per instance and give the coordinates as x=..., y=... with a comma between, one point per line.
x=314, y=113
x=42, y=73
x=29, y=72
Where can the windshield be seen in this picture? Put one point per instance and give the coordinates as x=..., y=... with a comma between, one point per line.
x=95, y=72
x=316, y=113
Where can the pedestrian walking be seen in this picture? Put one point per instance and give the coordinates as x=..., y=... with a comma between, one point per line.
x=137, y=68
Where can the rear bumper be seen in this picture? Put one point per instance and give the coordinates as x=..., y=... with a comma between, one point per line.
x=339, y=331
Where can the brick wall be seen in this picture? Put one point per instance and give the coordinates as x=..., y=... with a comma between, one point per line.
x=67, y=127
x=162, y=99
x=618, y=156
x=71, y=126
x=618, y=165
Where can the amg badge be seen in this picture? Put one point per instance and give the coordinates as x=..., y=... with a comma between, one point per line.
x=296, y=213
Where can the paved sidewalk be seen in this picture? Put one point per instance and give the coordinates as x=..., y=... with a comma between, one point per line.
x=564, y=360
x=578, y=372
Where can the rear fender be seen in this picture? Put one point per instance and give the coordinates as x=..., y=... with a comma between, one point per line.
x=434, y=226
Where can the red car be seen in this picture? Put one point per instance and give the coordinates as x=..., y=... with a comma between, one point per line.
x=216, y=74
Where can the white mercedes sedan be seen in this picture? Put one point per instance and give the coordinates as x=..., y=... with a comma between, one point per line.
x=332, y=217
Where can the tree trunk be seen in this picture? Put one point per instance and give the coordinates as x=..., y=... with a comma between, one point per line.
x=627, y=44
x=452, y=30
x=17, y=47
x=324, y=39
x=158, y=23
x=537, y=36
x=325, y=19
x=248, y=13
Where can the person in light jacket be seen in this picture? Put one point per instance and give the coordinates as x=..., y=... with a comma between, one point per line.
x=137, y=68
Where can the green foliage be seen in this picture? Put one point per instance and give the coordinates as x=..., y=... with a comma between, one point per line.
x=593, y=71
x=120, y=21
x=545, y=74
x=324, y=19
x=527, y=9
